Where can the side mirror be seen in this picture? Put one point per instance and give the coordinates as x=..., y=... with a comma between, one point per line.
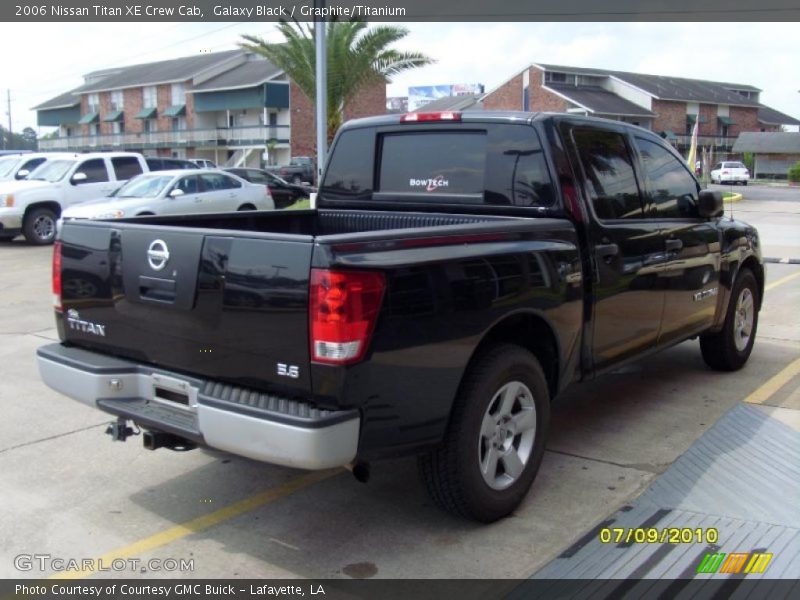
x=22, y=173
x=79, y=178
x=710, y=206
x=176, y=193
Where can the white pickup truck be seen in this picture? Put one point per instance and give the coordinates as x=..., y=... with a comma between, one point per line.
x=33, y=205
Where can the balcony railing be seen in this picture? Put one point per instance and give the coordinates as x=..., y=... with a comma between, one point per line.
x=714, y=141
x=217, y=137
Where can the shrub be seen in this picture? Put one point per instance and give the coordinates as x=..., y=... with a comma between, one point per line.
x=794, y=172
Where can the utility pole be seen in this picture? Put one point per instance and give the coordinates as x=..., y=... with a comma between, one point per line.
x=321, y=73
x=8, y=101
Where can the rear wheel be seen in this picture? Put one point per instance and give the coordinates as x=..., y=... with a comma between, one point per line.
x=729, y=349
x=246, y=207
x=495, y=441
x=39, y=226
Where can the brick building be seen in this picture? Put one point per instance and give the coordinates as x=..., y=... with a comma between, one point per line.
x=667, y=105
x=225, y=106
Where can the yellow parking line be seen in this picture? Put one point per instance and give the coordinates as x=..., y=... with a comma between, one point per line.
x=765, y=392
x=177, y=532
x=781, y=281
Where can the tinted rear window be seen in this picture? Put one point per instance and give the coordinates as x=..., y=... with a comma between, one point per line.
x=433, y=162
x=474, y=163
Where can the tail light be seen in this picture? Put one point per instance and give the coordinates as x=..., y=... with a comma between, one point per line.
x=343, y=310
x=448, y=115
x=57, y=276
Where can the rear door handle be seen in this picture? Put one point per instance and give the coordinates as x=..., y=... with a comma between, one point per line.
x=606, y=251
x=673, y=244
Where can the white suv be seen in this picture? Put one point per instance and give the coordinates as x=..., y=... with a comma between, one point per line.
x=728, y=171
x=33, y=205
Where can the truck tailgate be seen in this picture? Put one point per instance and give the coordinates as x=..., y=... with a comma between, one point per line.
x=229, y=306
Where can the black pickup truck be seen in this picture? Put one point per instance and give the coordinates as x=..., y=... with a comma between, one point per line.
x=459, y=272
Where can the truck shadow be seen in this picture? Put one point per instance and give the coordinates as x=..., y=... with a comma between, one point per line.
x=609, y=439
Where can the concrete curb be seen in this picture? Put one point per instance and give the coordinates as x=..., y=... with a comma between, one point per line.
x=782, y=261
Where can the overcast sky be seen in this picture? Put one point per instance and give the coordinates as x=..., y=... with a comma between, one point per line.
x=46, y=59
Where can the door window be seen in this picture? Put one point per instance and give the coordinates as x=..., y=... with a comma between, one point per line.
x=608, y=173
x=95, y=171
x=672, y=189
x=126, y=167
x=188, y=185
x=213, y=182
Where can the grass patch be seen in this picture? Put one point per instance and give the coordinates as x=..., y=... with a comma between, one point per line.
x=301, y=204
x=726, y=195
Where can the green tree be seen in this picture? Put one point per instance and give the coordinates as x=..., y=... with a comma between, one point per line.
x=357, y=57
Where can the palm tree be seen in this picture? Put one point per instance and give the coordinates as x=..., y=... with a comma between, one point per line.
x=357, y=57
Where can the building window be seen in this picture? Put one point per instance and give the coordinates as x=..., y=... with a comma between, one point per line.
x=553, y=77
x=724, y=130
x=150, y=125
x=178, y=92
x=178, y=123
x=93, y=102
x=149, y=97
x=526, y=100
x=94, y=129
x=116, y=100
x=118, y=127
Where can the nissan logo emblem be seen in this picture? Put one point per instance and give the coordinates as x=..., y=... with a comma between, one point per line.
x=158, y=255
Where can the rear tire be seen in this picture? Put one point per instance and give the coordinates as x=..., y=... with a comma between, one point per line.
x=496, y=437
x=39, y=226
x=729, y=349
x=246, y=207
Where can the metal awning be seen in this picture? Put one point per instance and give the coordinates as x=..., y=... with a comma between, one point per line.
x=176, y=110
x=668, y=135
x=114, y=115
x=91, y=117
x=726, y=121
x=147, y=113
x=692, y=118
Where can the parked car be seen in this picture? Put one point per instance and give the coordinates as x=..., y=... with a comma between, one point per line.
x=176, y=192
x=300, y=169
x=33, y=205
x=203, y=163
x=460, y=272
x=284, y=193
x=730, y=172
x=19, y=166
x=156, y=163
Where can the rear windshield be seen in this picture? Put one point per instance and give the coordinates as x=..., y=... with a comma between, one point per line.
x=430, y=161
x=469, y=163
x=734, y=165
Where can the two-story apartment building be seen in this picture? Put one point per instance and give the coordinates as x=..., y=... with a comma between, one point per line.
x=667, y=105
x=229, y=107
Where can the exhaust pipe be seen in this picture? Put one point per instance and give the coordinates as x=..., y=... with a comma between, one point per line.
x=153, y=440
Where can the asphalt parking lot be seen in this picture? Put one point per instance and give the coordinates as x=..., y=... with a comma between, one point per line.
x=71, y=493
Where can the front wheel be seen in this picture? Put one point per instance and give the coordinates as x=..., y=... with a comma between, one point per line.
x=495, y=441
x=40, y=226
x=729, y=349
